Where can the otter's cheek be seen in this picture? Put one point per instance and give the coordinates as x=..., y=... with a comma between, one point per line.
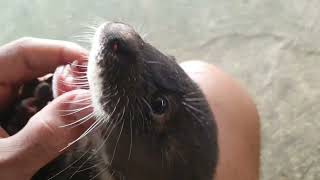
x=69, y=77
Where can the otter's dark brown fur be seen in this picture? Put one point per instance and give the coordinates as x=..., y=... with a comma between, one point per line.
x=155, y=120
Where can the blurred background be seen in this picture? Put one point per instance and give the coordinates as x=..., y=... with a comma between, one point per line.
x=269, y=46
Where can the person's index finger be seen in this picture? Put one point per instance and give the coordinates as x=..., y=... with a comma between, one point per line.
x=28, y=58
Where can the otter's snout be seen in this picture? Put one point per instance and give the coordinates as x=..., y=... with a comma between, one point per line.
x=120, y=40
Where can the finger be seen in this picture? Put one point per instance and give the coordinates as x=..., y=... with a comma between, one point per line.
x=68, y=78
x=43, y=138
x=28, y=58
x=59, y=85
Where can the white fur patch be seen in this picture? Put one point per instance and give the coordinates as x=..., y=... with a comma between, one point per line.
x=95, y=84
x=93, y=72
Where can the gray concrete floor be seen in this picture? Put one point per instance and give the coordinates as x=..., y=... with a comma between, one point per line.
x=271, y=47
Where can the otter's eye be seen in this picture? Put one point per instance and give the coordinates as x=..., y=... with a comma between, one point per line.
x=159, y=105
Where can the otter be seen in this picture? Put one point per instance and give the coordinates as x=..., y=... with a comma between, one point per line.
x=153, y=121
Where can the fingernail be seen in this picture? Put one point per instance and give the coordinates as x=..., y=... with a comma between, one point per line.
x=55, y=80
x=3, y=133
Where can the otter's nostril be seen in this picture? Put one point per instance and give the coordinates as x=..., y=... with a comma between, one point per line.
x=119, y=46
x=115, y=46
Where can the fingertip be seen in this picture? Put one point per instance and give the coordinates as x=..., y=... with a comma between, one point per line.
x=34, y=57
x=58, y=79
x=72, y=52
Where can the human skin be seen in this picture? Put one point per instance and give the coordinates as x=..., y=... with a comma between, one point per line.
x=42, y=139
x=22, y=154
x=237, y=121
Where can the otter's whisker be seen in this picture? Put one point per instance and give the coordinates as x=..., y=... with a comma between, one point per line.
x=141, y=114
x=85, y=34
x=162, y=159
x=77, y=101
x=102, y=171
x=96, y=123
x=86, y=31
x=82, y=39
x=94, y=25
x=195, y=116
x=115, y=148
x=111, y=125
x=130, y=149
x=81, y=79
x=73, y=111
x=80, y=123
x=196, y=93
x=192, y=107
x=77, y=75
x=73, y=83
x=69, y=166
x=83, y=119
x=154, y=62
x=77, y=65
x=144, y=35
x=114, y=108
x=97, y=164
x=78, y=86
x=194, y=99
x=78, y=72
x=93, y=126
x=147, y=103
x=149, y=106
x=106, y=103
x=105, y=136
x=60, y=90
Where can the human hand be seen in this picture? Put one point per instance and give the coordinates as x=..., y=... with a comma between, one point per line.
x=42, y=139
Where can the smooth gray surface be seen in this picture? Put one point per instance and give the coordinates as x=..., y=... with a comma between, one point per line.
x=271, y=46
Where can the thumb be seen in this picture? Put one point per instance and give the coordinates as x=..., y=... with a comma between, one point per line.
x=43, y=138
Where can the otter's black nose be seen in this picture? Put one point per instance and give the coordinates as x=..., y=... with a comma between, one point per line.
x=116, y=44
x=121, y=39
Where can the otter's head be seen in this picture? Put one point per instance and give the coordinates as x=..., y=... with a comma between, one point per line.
x=156, y=122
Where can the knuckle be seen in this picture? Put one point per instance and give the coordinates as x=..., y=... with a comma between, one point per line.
x=21, y=44
x=24, y=40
